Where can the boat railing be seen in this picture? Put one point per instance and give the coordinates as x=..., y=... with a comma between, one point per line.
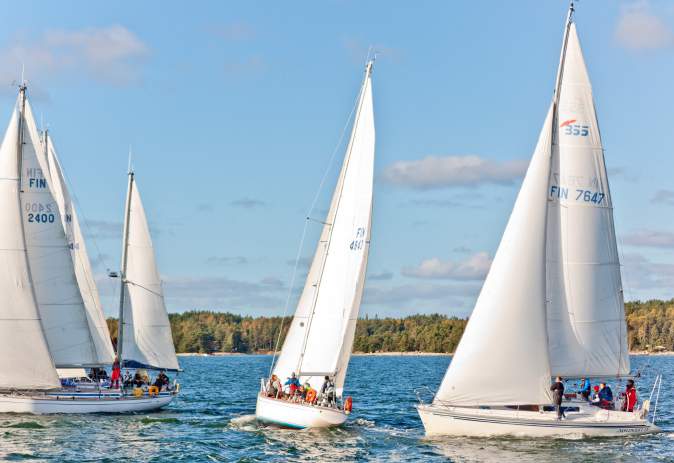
x=658, y=383
x=422, y=392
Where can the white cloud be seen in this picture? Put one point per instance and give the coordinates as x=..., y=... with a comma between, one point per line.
x=225, y=294
x=648, y=279
x=448, y=171
x=109, y=54
x=663, y=197
x=650, y=238
x=399, y=300
x=385, y=275
x=640, y=28
x=474, y=267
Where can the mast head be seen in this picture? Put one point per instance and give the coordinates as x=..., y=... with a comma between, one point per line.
x=368, y=67
x=130, y=166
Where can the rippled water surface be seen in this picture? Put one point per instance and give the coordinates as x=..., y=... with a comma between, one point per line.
x=212, y=420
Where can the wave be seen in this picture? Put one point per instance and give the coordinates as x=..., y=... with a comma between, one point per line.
x=27, y=425
x=160, y=420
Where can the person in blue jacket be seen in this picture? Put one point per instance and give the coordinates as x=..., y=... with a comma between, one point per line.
x=585, y=389
x=605, y=393
x=604, y=397
x=293, y=383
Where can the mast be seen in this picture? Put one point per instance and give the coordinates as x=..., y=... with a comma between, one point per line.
x=19, y=152
x=125, y=246
x=330, y=220
x=560, y=70
x=19, y=148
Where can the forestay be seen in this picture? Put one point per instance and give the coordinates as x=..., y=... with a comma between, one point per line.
x=25, y=362
x=59, y=301
x=147, y=339
x=586, y=318
x=98, y=327
x=320, y=337
x=502, y=358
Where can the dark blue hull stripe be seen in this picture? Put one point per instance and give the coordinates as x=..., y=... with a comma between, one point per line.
x=280, y=423
x=556, y=424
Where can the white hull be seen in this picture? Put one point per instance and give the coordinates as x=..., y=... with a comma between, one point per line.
x=296, y=415
x=441, y=420
x=74, y=404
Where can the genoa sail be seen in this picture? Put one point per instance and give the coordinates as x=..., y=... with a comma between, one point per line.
x=25, y=362
x=321, y=334
x=147, y=340
x=505, y=341
x=60, y=303
x=85, y=278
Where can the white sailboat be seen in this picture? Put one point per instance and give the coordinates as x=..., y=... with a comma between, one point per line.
x=552, y=303
x=144, y=337
x=44, y=324
x=320, y=338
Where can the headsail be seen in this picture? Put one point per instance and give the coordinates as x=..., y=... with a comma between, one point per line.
x=25, y=362
x=147, y=340
x=502, y=358
x=321, y=335
x=586, y=317
x=59, y=301
x=85, y=278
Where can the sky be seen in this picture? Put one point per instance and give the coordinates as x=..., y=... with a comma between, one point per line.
x=233, y=111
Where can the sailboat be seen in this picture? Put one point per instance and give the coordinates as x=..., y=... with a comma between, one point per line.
x=144, y=338
x=44, y=324
x=552, y=303
x=320, y=337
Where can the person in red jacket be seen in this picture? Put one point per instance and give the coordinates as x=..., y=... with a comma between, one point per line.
x=630, y=397
x=116, y=374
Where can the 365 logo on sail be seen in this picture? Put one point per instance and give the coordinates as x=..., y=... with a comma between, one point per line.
x=570, y=127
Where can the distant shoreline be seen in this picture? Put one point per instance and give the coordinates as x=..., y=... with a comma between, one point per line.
x=379, y=354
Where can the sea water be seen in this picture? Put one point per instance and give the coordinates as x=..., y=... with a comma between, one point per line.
x=213, y=420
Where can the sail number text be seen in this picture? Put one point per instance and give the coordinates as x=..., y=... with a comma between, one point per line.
x=588, y=196
x=576, y=130
x=40, y=213
x=357, y=243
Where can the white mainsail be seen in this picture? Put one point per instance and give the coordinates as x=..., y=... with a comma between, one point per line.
x=586, y=317
x=502, y=358
x=320, y=337
x=61, y=307
x=146, y=340
x=25, y=362
x=85, y=278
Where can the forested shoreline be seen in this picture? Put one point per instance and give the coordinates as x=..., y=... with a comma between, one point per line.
x=650, y=326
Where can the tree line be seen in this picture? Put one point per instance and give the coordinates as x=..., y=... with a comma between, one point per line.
x=650, y=326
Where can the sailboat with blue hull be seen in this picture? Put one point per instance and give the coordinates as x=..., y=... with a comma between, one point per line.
x=51, y=321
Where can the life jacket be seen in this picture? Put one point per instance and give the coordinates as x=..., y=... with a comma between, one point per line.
x=348, y=405
x=311, y=395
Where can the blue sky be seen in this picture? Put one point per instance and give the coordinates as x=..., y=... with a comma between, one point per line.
x=233, y=110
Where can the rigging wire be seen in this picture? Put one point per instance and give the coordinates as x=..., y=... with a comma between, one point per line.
x=306, y=223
